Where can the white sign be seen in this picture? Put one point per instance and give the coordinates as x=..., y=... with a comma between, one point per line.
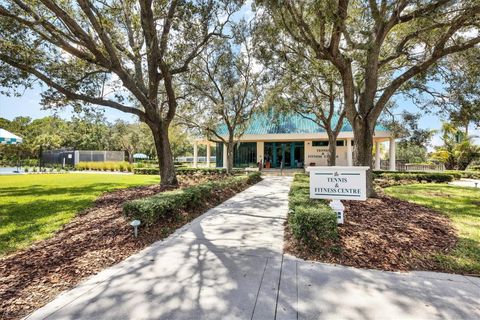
x=341, y=183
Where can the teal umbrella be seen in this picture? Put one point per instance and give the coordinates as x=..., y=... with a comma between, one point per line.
x=9, y=138
x=140, y=156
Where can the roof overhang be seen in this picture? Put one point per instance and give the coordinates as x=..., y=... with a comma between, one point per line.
x=379, y=136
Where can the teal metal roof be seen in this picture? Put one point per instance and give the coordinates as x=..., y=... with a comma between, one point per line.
x=292, y=123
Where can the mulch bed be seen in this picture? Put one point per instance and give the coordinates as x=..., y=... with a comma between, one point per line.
x=384, y=233
x=95, y=239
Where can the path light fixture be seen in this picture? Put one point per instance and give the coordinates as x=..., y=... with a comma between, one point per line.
x=135, y=224
x=338, y=208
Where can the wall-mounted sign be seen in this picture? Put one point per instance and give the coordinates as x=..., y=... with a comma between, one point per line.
x=338, y=183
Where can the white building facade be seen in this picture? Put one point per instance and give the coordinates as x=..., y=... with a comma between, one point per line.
x=294, y=142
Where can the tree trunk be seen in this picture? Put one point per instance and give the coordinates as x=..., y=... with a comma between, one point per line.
x=363, y=148
x=230, y=146
x=332, y=150
x=130, y=156
x=168, y=177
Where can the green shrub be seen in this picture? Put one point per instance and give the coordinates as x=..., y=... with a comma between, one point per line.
x=185, y=171
x=438, y=177
x=464, y=174
x=167, y=204
x=314, y=225
x=311, y=220
x=151, y=171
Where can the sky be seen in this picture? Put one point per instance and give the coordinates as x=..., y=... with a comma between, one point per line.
x=29, y=103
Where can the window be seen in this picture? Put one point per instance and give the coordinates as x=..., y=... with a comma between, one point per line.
x=340, y=143
x=319, y=143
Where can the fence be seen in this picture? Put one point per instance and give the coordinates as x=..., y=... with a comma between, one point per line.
x=58, y=157
x=404, y=166
x=98, y=156
x=200, y=159
x=71, y=157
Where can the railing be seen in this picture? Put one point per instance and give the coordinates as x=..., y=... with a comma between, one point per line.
x=200, y=159
x=424, y=167
x=403, y=166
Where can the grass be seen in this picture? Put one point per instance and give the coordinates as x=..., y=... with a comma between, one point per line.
x=33, y=207
x=462, y=206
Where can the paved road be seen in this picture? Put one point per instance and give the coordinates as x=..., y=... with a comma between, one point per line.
x=228, y=264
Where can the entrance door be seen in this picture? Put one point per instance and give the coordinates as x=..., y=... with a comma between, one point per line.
x=290, y=154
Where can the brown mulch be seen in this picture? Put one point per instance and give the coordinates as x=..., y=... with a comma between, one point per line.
x=384, y=233
x=95, y=239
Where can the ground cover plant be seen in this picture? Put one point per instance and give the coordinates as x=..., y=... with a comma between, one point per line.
x=381, y=233
x=186, y=170
x=33, y=207
x=462, y=206
x=121, y=166
x=92, y=241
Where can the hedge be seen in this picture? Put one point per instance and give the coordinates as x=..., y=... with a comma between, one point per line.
x=416, y=176
x=186, y=171
x=167, y=204
x=464, y=174
x=311, y=220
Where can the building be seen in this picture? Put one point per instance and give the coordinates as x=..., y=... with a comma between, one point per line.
x=294, y=142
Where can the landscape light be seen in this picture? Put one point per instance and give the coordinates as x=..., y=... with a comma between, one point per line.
x=135, y=224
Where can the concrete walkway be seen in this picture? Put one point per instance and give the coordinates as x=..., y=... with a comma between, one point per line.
x=474, y=183
x=228, y=264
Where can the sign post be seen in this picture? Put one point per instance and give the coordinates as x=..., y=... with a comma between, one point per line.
x=338, y=183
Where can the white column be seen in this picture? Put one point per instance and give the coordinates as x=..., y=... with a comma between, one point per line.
x=349, y=153
x=392, y=154
x=195, y=154
x=377, y=155
x=208, y=155
x=224, y=155
x=260, y=148
x=307, y=147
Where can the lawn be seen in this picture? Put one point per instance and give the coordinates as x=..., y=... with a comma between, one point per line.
x=462, y=206
x=33, y=207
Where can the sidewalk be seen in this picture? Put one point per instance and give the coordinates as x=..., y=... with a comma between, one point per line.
x=228, y=264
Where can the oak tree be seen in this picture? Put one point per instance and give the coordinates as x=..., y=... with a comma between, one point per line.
x=377, y=47
x=121, y=54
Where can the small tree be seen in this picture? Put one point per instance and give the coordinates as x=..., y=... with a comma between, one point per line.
x=308, y=88
x=414, y=140
x=457, y=151
x=225, y=90
x=127, y=137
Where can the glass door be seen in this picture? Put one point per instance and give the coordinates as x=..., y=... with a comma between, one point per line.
x=290, y=154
